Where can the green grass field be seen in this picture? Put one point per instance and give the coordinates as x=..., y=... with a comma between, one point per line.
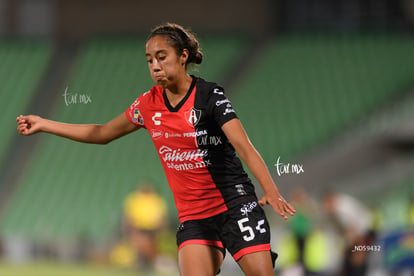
x=50, y=268
x=56, y=269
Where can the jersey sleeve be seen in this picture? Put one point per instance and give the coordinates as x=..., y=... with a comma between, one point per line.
x=220, y=107
x=134, y=115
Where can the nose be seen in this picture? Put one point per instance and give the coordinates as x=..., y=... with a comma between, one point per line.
x=156, y=65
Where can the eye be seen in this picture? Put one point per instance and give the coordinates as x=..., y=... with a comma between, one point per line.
x=162, y=57
x=149, y=60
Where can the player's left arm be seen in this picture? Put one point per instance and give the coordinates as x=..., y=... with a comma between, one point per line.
x=237, y=136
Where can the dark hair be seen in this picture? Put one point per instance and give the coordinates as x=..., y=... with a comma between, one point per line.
x=180, y=39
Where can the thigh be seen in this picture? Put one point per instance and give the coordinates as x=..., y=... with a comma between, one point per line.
x=199, y=260
x=257, y=264
x=200, y=251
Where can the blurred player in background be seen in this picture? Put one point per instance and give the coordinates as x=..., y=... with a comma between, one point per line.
x=145, y=215
x=196, y=133
x=354, y=222
x=301, y=224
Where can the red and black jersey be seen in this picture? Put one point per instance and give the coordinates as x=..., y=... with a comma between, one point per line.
x=201, y=166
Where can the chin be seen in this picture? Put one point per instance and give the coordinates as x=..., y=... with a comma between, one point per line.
x=162, y=84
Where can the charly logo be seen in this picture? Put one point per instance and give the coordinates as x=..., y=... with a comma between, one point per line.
x=248, y=208
x=288, y=168
x=193, y=116
x=156, y=118
x=218, y=91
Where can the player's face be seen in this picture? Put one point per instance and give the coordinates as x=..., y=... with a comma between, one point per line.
x=164, y=64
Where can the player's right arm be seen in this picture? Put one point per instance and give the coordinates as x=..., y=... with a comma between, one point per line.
x=88, y=133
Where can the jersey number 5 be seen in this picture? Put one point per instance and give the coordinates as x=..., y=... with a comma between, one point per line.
x=246, y=228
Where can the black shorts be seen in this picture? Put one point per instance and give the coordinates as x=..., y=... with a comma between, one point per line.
x=241, y=230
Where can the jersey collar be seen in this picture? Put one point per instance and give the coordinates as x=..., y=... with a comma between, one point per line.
x=182, y=102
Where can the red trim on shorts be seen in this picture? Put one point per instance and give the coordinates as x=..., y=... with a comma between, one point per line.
x=251, y=249
x=203, y=242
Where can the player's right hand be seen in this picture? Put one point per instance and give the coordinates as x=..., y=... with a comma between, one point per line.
x=28, y=125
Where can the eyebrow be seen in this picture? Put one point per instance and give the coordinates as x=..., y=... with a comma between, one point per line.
x=156, y=53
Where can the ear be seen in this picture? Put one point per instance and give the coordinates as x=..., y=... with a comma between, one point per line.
x=184, y=57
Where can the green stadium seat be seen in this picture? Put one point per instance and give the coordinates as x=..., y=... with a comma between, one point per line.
x=22, y=64
x=309, y=88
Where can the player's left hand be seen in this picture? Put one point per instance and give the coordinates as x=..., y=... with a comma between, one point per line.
x=279, y=204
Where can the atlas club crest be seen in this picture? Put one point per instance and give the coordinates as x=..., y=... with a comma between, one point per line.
x=192, y=116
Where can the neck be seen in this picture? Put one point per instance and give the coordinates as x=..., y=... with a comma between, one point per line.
x=181, y=86
x=177, y=92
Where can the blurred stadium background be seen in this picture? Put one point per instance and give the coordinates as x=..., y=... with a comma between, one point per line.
x=324, y=85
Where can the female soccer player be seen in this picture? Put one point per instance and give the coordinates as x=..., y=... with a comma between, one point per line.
x=197, y=134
